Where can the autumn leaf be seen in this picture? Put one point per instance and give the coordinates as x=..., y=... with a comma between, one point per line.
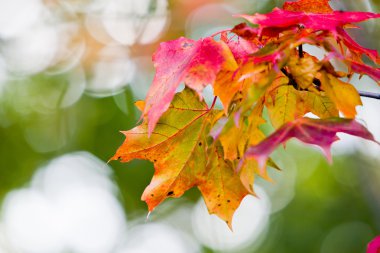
x=343, y=94
x=183, y=60
x=177, y=147
x=318, y=104
x=316, y=21
x=333, y=22
x=355, y=47
x=222, y=190
x=320, y=132
x=282, y=103
x=234, y=139
x=360, y=68
x=304, y=70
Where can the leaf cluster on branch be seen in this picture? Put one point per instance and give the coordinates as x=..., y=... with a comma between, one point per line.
x=250, y=67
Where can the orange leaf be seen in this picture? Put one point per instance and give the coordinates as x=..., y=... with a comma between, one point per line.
x=314, y=6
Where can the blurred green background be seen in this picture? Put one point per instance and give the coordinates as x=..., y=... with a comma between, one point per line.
x=70, y=72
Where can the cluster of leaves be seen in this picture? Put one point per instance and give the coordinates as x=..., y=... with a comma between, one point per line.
x=250, y=67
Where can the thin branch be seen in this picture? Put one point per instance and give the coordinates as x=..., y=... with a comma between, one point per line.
x=300, y=51
x=369, y=94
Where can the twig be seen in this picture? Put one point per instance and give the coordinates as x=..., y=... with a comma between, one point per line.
x=300, y=51
x=369, y=94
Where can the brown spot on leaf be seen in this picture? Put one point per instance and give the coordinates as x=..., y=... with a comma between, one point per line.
x=170, y=193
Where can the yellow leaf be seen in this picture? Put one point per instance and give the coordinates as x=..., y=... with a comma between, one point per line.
x=343, y=94
x=234, y=139
x=230, y=63
x=177, y=147
x=229, y=83
x=223, y=190
x=303, y=70
x=282, y=105
x=318, y=104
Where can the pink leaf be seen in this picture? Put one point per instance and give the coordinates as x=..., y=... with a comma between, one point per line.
x=320, y=132
x=360, y=68
x=316, y=21
x=374, y=246
x=183, y=60
x=354, y=46
x=333, y=22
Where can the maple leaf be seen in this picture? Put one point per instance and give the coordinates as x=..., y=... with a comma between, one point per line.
x=318, y=104
x=320, y=132
x=281, y=102
x=223, y=191
x=343, y=94
x=316, y=21
x=178, y=148
x=360, y=68
x=333, y=22
x=183, y=60
x=303, y=70
x=355, y=47
x=177, y=144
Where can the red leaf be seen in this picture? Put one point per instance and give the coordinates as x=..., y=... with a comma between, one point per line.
x=183, y=60
x=374, y=246
x=316, y=21
x=360, y=68
x=321, y=132
x=333, y=22
x=354, y=46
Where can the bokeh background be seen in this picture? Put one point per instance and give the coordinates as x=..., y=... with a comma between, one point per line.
x=70, y=72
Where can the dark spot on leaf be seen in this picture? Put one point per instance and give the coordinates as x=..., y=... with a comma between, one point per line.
x=218, y=195
x=119, y=158
x=152, y=195
x=219, y=204
x=238, y=157
x=200, y=143
x=170, y=193
x=228, y=201
x=154, y=160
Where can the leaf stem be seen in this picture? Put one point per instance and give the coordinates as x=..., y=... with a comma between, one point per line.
x=213, y=103
x=369, y=94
